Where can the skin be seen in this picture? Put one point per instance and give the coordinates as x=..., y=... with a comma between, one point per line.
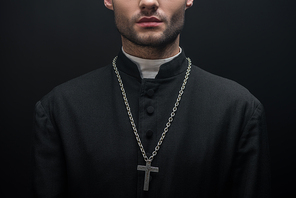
x=150, y=42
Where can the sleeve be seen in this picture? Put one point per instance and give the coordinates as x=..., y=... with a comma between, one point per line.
x=49, y=172
x=251, y=172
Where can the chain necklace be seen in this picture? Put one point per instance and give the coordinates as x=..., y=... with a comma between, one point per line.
x=148, y=168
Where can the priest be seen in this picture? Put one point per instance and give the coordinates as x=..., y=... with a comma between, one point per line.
x=150, y=124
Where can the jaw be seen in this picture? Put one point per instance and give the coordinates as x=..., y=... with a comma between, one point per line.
x=151, y=52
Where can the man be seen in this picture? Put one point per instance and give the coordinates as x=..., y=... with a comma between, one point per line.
x=150, y=124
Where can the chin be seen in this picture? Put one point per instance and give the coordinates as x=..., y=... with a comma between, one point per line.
x=151, y=40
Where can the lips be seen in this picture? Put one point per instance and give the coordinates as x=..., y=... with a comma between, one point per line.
x=149, y=22
x=149, y=19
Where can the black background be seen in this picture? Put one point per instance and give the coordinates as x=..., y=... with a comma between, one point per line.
x=47, y=42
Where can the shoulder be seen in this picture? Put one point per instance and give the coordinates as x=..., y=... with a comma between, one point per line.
x=79, y=87
x=222, y=91
x=87, y=80
x=218, y=85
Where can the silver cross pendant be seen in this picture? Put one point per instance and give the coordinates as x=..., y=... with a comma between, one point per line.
x=148, y=168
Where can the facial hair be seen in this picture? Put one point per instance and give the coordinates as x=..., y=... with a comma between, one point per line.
x=174, y=27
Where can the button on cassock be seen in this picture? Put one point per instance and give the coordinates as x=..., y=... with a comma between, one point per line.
x=150, y=93
x=149, y=134
x=150, y=109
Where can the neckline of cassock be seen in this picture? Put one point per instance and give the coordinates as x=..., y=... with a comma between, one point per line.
x=176, y=66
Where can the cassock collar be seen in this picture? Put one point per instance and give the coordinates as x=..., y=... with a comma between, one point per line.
x=167, y=70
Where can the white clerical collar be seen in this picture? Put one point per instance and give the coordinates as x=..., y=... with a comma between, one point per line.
x=149, y=68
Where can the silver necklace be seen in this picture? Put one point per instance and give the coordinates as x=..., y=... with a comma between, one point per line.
x=148, y=168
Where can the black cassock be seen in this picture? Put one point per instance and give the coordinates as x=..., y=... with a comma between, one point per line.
x=85, y=147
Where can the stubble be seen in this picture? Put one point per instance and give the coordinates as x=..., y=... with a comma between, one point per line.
x=174, y=27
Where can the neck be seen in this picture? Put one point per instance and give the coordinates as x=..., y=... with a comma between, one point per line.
x=148, y=52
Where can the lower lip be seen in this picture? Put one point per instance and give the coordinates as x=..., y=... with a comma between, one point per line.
x=149, y=24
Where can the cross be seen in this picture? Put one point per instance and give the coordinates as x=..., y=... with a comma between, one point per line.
x=148, y=168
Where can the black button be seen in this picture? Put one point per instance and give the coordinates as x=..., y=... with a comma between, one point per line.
x=150, y=92
x=150, y=109
x=149, y=134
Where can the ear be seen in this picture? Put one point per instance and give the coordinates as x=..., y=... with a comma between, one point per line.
x=109, y=4
x=189, y=3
